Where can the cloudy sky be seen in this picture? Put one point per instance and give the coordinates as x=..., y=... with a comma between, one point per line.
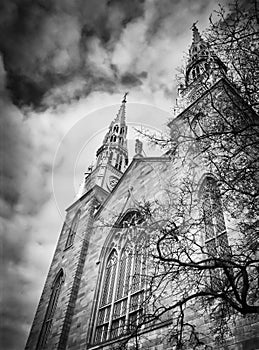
x=64, y=67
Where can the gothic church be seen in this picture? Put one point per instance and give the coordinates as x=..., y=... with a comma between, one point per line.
x=92, y=292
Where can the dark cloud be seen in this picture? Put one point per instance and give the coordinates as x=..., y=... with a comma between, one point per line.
x=46, y=43
x=130, y=79
x=25, y=91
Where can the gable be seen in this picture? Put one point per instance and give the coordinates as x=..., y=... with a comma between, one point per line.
x=143, y=180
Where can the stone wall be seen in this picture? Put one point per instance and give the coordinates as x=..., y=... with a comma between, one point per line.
x=71, y=260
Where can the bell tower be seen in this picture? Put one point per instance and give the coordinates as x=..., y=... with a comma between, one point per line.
x=112, y=156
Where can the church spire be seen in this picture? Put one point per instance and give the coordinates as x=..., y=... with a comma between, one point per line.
x=116, y=137
x=202, y=60
x=198, y=54
x=112, y=156
x=203, y=69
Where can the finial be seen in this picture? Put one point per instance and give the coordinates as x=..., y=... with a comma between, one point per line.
x=124, y=97
x=193, y=27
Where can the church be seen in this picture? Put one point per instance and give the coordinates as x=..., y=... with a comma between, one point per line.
x=95, y=291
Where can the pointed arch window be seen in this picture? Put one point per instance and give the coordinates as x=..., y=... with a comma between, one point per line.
x=52, y=305
x=72, y=230
x=110, y=157
x=121, y=299
x=113, y=138
x=216, y=239
x=118, y=163
x=116, y=128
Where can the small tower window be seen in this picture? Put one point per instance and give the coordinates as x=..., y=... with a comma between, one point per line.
x=198, y=71
x=110, y=158
x=116, y=128
x=122, y=131
x=113, y=138
x=193, y=74
x=118, y=163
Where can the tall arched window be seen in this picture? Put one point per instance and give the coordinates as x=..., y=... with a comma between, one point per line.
x=216, y=239
x=103, y=320
x=72, y=230
x=121, y=299
x=46, y=327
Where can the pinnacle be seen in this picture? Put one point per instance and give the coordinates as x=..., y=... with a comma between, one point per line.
x=196, y=35
x=119, y=119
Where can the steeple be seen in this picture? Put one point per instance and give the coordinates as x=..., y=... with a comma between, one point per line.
x=114, y=148
x=202, y=70
x=202, y=61
x=112, y=156
x=198, y=56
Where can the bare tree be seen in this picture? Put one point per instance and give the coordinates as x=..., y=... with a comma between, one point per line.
x=234, y=36
x=203, y=240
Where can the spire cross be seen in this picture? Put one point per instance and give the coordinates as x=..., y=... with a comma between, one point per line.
x=124, y=97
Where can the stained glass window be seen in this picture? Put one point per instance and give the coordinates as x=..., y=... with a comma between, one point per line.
x=121, y=299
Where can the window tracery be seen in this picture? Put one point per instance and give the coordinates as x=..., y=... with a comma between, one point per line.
x=121, y=307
